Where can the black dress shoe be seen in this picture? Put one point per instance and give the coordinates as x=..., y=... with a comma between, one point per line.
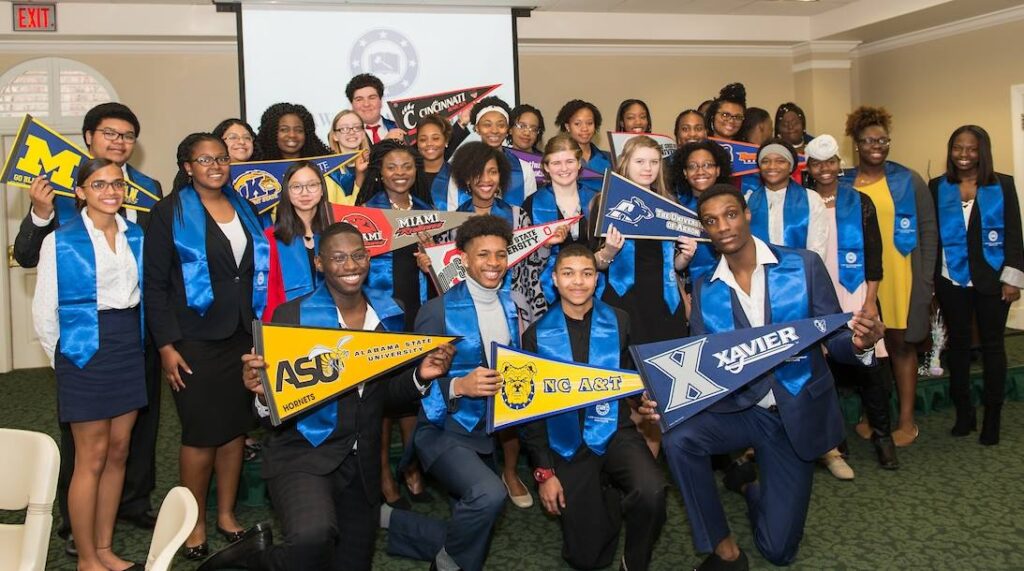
x=135, y=567
x=715, y=563
x=885, y=449
x=196, y=552
x=738, y=474
x=230, y=536
x=141, y=520
x=240, y=553
x=400, y=504
x=69, y=547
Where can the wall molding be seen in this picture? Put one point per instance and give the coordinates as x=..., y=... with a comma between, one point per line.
x=819, y=47
x=653, y=49
x=942, y=31
x=55, y=45
x=822, y=64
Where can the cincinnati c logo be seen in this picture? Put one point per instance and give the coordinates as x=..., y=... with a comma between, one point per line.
x=518, y=388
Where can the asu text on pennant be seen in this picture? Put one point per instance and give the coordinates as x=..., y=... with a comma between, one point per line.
x=307, y=366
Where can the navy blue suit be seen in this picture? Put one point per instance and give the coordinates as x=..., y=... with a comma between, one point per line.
x=461, y=460
x=786, y=441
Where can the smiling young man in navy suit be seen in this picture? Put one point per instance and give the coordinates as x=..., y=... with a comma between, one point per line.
x=790, y=416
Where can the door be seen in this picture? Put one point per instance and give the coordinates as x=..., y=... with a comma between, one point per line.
x=1016, y=318
x=23, y=346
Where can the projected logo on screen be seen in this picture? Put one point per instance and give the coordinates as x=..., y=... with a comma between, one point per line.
x=390, y=56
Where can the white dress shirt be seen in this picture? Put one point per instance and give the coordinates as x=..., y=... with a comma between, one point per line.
x=817, y=225
x=117, y=280
x=752, y=303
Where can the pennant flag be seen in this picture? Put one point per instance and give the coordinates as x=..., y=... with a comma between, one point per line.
x=260, y=182
x=408, y=112
x=446, y=265
x=617, y=140
x=534, y=387
x=638, y=212
x=534, y=160
x=385, y=230
x=40, y=151
x=744, y=157
x=685, y=376
x=307, y=366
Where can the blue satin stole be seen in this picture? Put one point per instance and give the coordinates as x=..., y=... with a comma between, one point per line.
x=704, y=259
x=296, y=274
x=849, y=237
x=553, y=342
x=515, y=194
x=796, y=215
x=786, y=292
x=460, y=319
x=498, y=208
x=900, y=181
x=190, y=242
x=599, y=162
x=382, y=274
x=445, y=194
x=77, y=311
x=622, y=272
x=319, y=310
x=989, y=200
x=345, y=178
x=544, y=209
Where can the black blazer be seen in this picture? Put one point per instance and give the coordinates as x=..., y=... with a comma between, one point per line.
x=359, y=420
x=30, y=237
x=985, y=279
x=167, y=315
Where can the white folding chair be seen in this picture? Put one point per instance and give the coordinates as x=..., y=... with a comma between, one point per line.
x=177, y=517
x=29, y=480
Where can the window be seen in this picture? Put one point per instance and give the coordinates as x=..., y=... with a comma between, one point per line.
x=53, y=89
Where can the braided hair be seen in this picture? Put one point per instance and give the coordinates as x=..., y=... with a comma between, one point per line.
x=271, y=119
x=372, y=184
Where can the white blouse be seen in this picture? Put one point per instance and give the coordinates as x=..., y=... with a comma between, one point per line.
x=117, y=280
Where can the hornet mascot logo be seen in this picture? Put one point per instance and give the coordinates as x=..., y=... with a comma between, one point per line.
x=631, y=211
x=331, y=360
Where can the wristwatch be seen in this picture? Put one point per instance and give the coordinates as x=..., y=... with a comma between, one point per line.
x=543, y=474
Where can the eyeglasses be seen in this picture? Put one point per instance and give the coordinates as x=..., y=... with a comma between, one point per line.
x=694, y=167
x=527, y=128
x=207, y=160
x=112, y=135
x=234, y=138
x=871, y=141
x=358, y=257
x=346, y=130
x=100, y=185
x=726, y=116
x=308, y=188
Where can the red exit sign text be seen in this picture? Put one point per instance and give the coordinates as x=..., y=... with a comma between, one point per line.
x=35, y=17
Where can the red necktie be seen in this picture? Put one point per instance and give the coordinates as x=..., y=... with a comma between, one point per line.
x=376, y=134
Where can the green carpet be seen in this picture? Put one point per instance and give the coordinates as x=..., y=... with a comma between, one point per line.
x=952, y=505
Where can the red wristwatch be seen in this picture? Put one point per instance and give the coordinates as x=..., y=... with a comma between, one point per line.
x=543, y=474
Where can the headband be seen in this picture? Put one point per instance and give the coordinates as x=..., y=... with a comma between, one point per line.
x=776, y=149
x=490, y=108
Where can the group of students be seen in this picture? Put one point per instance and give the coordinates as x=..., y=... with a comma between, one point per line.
x=203, y=264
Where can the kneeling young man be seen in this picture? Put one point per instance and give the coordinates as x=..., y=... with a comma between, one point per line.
x=574, y=452
x=790, y=415
x=323, y=468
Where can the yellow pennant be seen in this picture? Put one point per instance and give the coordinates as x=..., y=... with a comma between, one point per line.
x=307, y=366
x=534, y=387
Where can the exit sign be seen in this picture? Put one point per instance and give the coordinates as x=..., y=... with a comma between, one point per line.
x=35, y=17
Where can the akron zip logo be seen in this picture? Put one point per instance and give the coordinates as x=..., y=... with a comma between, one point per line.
x=390, y=56
x=631, y=211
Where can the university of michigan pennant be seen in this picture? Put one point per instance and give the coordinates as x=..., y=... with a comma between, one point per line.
x=308, y=366
x=260, y=182
x=617, y=140
x=446, y=266
x=685, y=376
x=534, y=387
x=637, y=212
x=385, y=229
x=408, y=112
x=40, y=151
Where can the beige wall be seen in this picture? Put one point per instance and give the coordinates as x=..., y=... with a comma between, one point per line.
x=668, y=84
x=932, y=88
x=173, y=94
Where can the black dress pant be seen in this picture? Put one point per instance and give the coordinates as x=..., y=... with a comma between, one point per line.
x=329, y=524
x=874, y=384
x=140, y=469
x=600, y=491
x=960, y=306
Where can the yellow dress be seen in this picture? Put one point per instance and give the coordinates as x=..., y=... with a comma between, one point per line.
x=897, y=275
